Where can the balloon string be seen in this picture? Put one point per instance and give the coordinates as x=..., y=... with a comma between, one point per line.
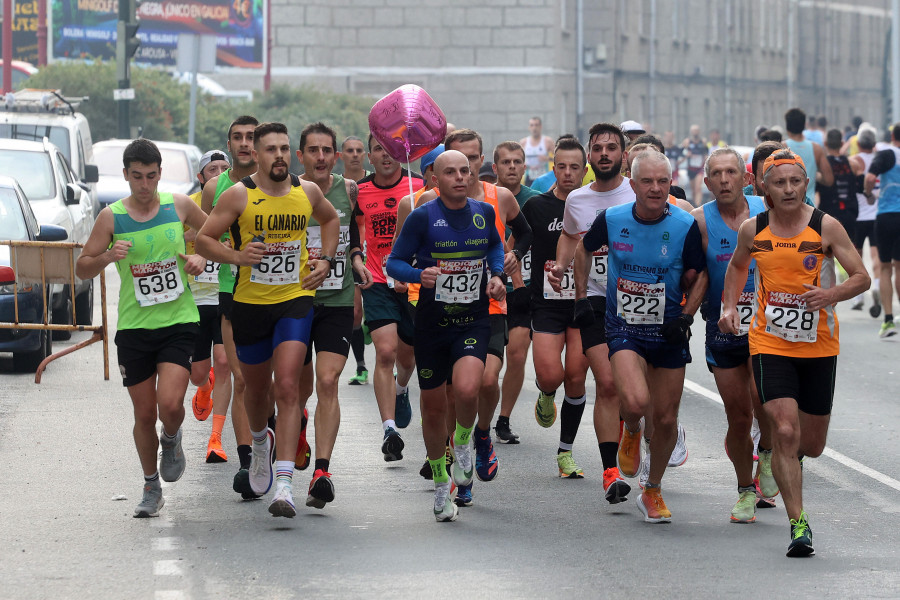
x=412, y=200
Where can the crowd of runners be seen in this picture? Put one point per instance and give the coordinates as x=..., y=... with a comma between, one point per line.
x=256, y=289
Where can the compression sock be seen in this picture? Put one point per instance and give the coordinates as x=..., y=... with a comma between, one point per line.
x=608, y=453
x=218, y=423
x=439, y=470
x=462, y=435
x=358, y=343
x=570, y=419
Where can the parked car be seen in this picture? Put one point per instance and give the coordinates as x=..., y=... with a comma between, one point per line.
x=37, y=114
x=21, y=71
x=57, y=198
x=17, y=222
x=180, y=165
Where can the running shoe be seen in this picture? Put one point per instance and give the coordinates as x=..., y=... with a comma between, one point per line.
x=644, y=474
x=745, y=509
x=680, y=452
x=301, y=460
x=567, y=467
x=653, y=507
x=505, y=435
x=487, y=464
x=545, y=410
x=321, y=489
x=615, y=487
x=282, y=504
x=151, y=502
x=261, y=465
x=241, y=485
x=762, y=501
x=628, y=459
x=875, y=309
x=214, y=451
x=888, y=329
x=425, y=471
x=392, y=446
x=768, y=487
x=858, y=305
x=464, y=495
x=171, y=460
x=801, y=537
x=361, y=377
x=402, y=410
x=202, y=400
x=462, y=468
x=444, y=509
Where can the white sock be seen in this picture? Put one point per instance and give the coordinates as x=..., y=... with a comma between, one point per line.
x=284, y=472
x=401, y=389
x=389, y=423
x=259, y=437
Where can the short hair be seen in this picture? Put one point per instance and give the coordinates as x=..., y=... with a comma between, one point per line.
x=771, y=135
x=610, y=128
x=264, y=129
x=569, y=142
x=317, y=127
x=822, y=122
x=649, y=138
x=508, y=145
x=761, y=130
x=242, y=120
x=762, y=152
x=726, y=150
x=794, y=120
x=143, y=151
x=538, y=119
x=857, y=121
x=461, y=136
x=350, y=138
x=639, y=147
x=834, y=139
x=866, y=140
x=652, y=156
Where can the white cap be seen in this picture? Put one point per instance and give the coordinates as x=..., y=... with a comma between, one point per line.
x=211, y=156
x=632, y=127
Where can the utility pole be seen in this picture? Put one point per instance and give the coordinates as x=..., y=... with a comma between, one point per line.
x=7, y=45
x=895, y=61
x=127, y=44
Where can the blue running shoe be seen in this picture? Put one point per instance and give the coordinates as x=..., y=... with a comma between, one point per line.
x=402, y=410
x=464, y=495
x=486, y=462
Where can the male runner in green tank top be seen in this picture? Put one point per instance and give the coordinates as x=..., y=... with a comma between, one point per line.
x=143, y=235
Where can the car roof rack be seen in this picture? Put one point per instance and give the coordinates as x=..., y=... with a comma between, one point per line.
x=34, y=100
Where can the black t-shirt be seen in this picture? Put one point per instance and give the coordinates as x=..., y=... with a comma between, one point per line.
x=544, y=214
x=839, y=200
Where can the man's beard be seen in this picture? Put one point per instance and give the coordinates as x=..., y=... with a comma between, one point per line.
x=616, y=169
x=280, y=177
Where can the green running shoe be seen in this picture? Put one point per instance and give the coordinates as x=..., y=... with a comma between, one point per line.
x=361, y=377
x=567, y=467
x=888, y=329
x=801, y=537
x=767, y=485
x=745, y=509
x=545, y=410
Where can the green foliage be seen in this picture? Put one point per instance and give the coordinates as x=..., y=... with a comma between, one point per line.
x=161, y=105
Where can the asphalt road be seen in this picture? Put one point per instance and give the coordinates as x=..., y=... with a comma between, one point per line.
x=67, y=455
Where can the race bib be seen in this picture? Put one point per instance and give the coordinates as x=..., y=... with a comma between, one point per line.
x=787, y=318
x=641, y=303
x=335, y=279
x=598, y=267
x=459, y=281
x=280, y=265
x=157, y=283
x=695, y=161
x=745, y=310
x=567, y=284
x=526, y=268
x=210, y=273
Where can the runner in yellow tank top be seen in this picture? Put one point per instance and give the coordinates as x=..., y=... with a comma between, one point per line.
x=794, y=332
x=268, y=214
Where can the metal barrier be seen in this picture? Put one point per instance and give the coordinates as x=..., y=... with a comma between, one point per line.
x=48, y=263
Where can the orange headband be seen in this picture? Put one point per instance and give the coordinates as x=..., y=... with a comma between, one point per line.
x=771, y=162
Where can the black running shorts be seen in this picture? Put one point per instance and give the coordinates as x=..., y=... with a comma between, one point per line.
x=809, y=381
x=140, y=350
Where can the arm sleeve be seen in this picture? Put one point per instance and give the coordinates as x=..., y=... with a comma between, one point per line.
x=597, y=236
x=495, y=244
x=522, y=232
x=694, y=257
x=354, y=228
x=883, y=162
x=404, y=250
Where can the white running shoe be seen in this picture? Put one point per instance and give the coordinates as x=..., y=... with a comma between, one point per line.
x=261, y=465
x=283, y=503
x=462, y=469
x=444, y=508
x=680, y=452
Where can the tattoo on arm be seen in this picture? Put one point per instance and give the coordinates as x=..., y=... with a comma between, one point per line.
x=352, y=191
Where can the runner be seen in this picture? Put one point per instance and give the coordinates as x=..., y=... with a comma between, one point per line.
x=839, y=199
x=332, y=323
x=453, y=243
x=352, y=154
x=509, y=163
x=794, y=332
x=240, y=147
x=606, y=154
x=537, y=149
x=214, y=384
x=695, y=151
x=813, y=154
x=268, y=214
x=387, y=316
x=553, y=328
x=728, y=356
x=865, y=219
x=143, y=234
x=655, y=255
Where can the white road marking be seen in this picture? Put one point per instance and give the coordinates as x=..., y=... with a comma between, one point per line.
x=163, y=544
x=832, y=454
x=167, y=567
x=171, y=595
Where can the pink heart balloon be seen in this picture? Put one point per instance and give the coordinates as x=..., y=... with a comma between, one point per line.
x=407, y=122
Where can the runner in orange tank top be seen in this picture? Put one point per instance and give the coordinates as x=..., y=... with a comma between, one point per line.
x=794, y=332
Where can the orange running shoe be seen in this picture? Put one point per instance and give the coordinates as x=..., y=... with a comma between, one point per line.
x=653, y=507
x=615, y=487
x=628, y=460
x=301, y=461
x=214, y=451
x=202, y=400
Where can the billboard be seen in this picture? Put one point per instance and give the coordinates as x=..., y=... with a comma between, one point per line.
x=24, y=28
x=87, y=29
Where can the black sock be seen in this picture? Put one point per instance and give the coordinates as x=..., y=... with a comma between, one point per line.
x=761, y=449
x=271, y=422
x=888, y=318
x=358, y=343
x=244, y=454
x=321, y=463
x=608, y=452
x=570, y=419
x=501, y=420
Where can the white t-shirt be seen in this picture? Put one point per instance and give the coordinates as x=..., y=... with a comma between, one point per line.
x=867, y=211
x=582, y=207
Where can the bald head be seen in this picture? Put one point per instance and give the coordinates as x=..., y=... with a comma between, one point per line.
x=449, y=157
x=451, y=176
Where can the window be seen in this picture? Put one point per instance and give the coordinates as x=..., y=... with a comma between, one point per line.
x=12, y=223
x=36, y=132
x=39, y=185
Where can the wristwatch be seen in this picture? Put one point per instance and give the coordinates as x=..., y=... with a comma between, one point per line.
x=517, y=254
x=330, y=260
x=503, y=276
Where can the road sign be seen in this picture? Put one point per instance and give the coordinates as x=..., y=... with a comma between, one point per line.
x=125, y=94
